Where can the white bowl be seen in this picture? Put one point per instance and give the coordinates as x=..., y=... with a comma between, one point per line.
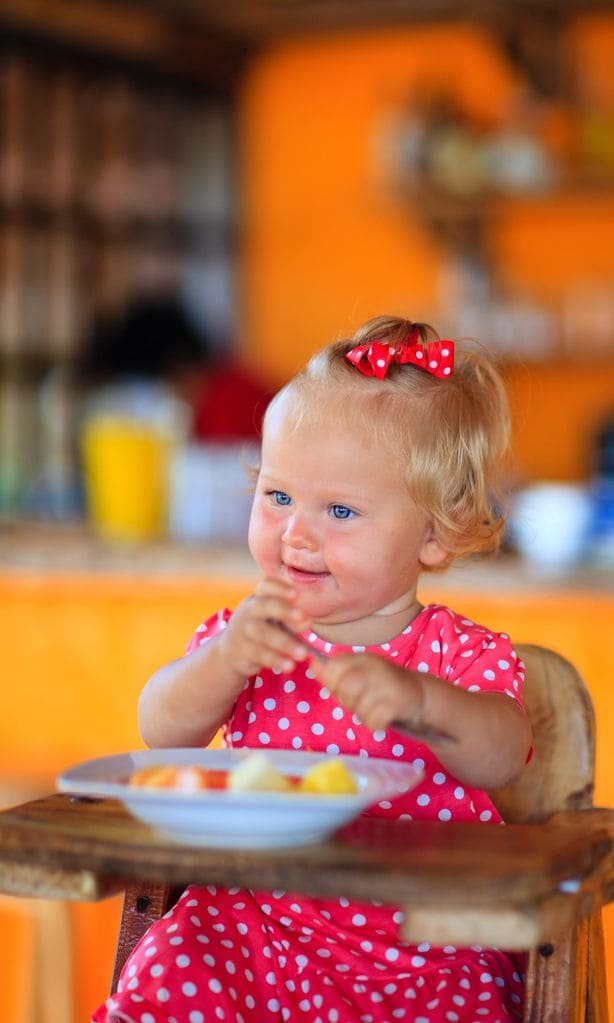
x=220, y=818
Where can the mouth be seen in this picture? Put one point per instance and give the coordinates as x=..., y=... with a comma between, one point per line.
x=304, y=575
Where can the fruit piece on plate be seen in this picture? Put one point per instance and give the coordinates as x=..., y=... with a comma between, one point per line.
x=185, y=777
x=160, y=776
x=214, y=778
x=329, y=778
x=191, y=778
x=257, y=773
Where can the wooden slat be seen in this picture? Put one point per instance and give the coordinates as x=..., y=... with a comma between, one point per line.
x=43, y=881
x=553, y=980
x=566, y=981
x=596, y=986
x=143, y=904
x=507, y=925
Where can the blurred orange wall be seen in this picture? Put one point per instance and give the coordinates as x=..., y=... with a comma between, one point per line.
x=556, y=411
x=324, y=246
x=77, y=651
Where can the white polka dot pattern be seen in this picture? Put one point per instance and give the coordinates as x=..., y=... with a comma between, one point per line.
x=255, y=957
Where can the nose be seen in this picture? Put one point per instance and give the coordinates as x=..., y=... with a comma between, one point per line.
x=298, y=533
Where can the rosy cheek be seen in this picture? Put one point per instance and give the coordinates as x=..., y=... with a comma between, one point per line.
x=335, y=546
x=264, y=528
x=344, y=548
x=268, y=519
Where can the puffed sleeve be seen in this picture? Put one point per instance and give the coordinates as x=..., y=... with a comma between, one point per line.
x=209, y=628
x=470, y=656
x=486, y=662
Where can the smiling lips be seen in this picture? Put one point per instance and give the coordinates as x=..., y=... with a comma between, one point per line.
x=304, y=575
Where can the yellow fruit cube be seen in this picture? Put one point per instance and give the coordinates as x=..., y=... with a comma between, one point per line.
x=329, y=778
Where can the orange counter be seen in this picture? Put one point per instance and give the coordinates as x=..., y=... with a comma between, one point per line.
x=77, y=646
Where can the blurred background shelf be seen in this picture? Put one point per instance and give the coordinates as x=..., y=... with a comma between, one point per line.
x=302, y=166
x=37, y=549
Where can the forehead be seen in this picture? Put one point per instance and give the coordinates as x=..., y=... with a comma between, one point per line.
x=310, y=418
x=354, y=404
x=372, y=415
x=322, y=446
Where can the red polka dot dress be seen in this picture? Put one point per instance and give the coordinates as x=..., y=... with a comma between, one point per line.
x=243, y=956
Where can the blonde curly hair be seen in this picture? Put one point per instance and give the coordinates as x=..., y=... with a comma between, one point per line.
x=449, y=435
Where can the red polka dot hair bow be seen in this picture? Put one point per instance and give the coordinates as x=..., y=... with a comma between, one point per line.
x=374, y=359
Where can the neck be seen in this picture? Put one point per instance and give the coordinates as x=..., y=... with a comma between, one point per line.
x=379, y=627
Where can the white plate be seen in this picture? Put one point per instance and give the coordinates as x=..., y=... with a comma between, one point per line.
x=220, y=818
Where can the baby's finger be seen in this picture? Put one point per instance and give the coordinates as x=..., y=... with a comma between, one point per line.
x=277, y=644
x=351, y=686
x=375, y=713
x=288, y=611
x=275, y=588
x=344, y=676
x=274, y=610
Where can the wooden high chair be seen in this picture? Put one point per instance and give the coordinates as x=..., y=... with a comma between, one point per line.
x=566, y=975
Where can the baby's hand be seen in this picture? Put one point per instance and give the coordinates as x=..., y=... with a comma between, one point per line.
x=253, y=640
x=378, y=692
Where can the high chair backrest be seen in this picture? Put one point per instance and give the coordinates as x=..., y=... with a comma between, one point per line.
x=561, y=771
x=566, y=977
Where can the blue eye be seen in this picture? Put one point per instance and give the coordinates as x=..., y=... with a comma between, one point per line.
x=280, y=497
x=339, y=511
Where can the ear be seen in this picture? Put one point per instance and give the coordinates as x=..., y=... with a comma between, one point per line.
x=432, y=553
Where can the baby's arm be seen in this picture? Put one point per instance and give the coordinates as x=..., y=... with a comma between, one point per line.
x=185, y=702
x=489, y=733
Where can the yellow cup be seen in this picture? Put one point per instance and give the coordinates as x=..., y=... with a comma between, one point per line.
x=127, y=469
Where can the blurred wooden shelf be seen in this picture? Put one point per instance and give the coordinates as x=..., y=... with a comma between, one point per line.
x=48, y=548
x=485, y=203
